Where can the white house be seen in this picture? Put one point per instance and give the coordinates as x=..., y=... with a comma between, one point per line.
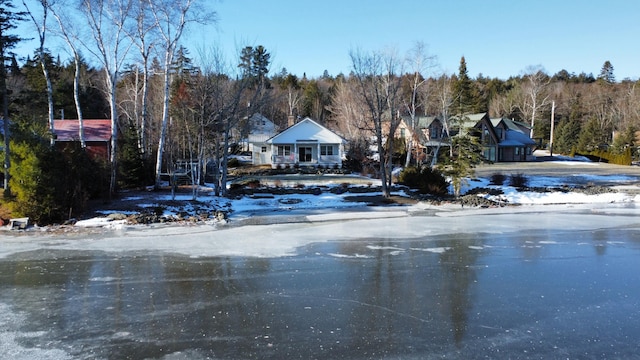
x=306, y=143
x=261, y=130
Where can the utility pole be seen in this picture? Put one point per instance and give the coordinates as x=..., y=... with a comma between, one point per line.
x=553, y=109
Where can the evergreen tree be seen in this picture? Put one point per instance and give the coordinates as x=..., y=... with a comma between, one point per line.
x=591, y=136
x=8, y=22
x=463, y=91
x=182, y=63
x=133, y=170
x=254, y=63
x=566, y=136
x=467, y=154
x=624, y=140
x=312, y=100
x=606, y=73
x=50, y=185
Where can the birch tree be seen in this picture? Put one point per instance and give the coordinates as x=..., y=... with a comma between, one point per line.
x=67, y=32
x=292, y=87
x=445, y=100
x=420, y=63
x=41, y=26
x=107, y=20
x=142, y=37
x=171, y=18
x=535, y=95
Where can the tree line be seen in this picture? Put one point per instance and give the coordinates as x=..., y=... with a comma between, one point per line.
x=127, y=64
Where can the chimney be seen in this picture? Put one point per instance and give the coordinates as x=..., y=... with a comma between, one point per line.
x=291, y=120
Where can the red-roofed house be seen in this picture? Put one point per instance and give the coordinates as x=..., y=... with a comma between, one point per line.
x=97, y=135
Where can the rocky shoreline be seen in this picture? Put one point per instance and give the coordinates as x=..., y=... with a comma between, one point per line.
x=199, y=211
x=146, y=207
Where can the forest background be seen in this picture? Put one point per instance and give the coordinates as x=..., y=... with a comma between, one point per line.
x=147, y=84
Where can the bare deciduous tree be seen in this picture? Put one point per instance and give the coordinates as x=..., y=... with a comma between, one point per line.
x=445, y=100
x=41, y=26
x=378, y=82
x=350, y=112
x=171, y=18
x=420, y=63
x=68, y=33
x=142, y=36
x=107, y=20
x=535, y=94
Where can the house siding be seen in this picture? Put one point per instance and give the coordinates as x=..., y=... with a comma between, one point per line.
x=306, y=143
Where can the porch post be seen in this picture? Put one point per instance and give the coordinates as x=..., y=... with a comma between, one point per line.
x=273, y=156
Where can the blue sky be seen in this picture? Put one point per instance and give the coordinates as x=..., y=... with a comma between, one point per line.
x=498, y=38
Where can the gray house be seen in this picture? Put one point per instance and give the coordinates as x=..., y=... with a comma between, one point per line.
x=502, y=139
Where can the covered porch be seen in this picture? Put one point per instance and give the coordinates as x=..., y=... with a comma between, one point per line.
x=306, y=153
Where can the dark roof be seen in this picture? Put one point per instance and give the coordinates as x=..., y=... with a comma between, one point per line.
x=94, y=130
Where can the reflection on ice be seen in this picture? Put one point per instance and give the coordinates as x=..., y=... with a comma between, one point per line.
x=455, y=295
x=401, y=282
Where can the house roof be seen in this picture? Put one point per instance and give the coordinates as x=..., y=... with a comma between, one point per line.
x=259, y=124
x=306, y=130
x=516, y=138
x=510, y=124
x=421, y=122
x=94, y=130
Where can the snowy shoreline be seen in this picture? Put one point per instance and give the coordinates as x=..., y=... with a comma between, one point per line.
x=274, y=238
x=556, y=192
x=277, y=226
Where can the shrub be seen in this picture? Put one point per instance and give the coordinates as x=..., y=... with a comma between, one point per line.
x=518, y=180
x=497, y=179
x=425, y=180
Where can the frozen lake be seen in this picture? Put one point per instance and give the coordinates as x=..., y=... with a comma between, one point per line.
x=507, y=283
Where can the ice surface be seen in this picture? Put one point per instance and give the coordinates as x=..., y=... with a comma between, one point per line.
x=10, y=335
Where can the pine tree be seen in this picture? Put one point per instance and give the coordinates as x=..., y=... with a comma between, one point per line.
x=590, y=137
x=566, y=136
x=254, y=63
x=463, y=91
x=467, y=154
x=8, y=22
x=606, y=73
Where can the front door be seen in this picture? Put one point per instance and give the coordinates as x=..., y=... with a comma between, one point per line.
x=304, y=154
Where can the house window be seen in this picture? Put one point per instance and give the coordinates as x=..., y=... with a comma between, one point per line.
x=434, y=132
x=326, y=150
x=403, y=133
x=284, y=150
x=263, y=149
